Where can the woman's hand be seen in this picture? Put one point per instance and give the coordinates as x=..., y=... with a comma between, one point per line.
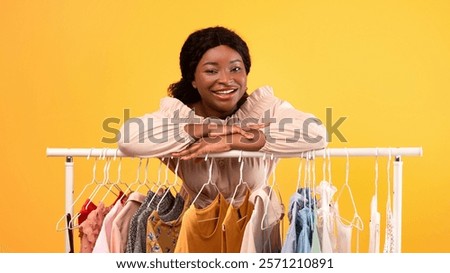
x=222, y=130
x=203, y=146
x=253, y=141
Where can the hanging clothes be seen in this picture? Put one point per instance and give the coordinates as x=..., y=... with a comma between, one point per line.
x=315, y=248
x=104, y=237
x=389, y=233
x=299, y=237
x=234, y=224
x=90, y=228
x=200, y=230
x=306, y=219
x=121, y=224
x=262, y=233
x=343, y=232
x=132, y=232
x=86, y=209
x=165, y=202
x=374, y=227
x=325, y=218
x=163, y=230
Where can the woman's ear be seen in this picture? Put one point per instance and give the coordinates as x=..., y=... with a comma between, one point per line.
x=194, y=85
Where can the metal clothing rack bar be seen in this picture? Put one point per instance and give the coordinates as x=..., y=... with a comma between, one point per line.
x=333, y=152
x=69, y=153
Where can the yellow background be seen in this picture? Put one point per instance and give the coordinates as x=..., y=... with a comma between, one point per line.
x=66, y=66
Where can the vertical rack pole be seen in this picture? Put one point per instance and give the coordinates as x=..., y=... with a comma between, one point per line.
x=397, y=210
x=69, y=198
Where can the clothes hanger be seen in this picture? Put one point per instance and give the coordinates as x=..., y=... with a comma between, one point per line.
x=299, y=172
x=356, y=221
x=103, y=182
x=99, y=185
x=374, y=228
x=119, y=180
x=150, y=185
x=241, y=179
x=209, y=182
x=312, y=188
x=325, y=222
x=93, y=181
x=170, y=185
x=160, y=185
x=136, y=181
x=311, y=174
x=307, y=177
x=143, y=182
x=389, y=180
x=272, y=186
x=308, y=188
x=115, y=183
x=157, y=184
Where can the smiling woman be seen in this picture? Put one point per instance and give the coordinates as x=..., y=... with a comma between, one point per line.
x=210, y=111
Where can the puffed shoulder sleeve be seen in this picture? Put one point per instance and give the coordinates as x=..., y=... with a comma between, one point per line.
x=159, y=133
x=287, y=130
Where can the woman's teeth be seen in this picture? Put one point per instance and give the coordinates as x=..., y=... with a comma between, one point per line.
x=224, y=91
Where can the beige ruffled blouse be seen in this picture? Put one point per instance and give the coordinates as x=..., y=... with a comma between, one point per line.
x=162, y=132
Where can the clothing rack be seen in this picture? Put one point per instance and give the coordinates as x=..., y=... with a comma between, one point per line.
x=69, y=153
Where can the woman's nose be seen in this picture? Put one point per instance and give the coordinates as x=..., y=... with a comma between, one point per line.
x=225, y=78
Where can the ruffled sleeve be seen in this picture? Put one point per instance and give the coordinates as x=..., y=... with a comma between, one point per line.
x=158, y=133
x=288, y=130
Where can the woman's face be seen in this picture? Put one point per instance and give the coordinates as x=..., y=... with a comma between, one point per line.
x=221, y=80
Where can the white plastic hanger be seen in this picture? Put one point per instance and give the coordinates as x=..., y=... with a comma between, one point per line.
x=144, y=181
x=299, y=172
x=311, y=181
x=307, y=177
x=241, y=179
x=112, y=184
x=158, y=182
x=374, y=228
x=356, y=221
x=136, y=181
x=272, y=186
x=99, y=185
x=170, y=185
x=93, y=181
x=209, y=182
x=312, y=189
x=160, y=185
x=105, y=179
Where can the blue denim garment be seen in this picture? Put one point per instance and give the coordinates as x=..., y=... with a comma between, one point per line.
x=306, y=221
x=301, y=219
x=290, y=243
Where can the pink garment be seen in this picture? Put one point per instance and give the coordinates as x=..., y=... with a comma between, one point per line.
x=288, y=130
x=104, y=237
x=90, y=228
x=121, y=223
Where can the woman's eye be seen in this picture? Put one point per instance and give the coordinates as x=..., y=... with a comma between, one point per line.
x=235, y=69
x=211, y=71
